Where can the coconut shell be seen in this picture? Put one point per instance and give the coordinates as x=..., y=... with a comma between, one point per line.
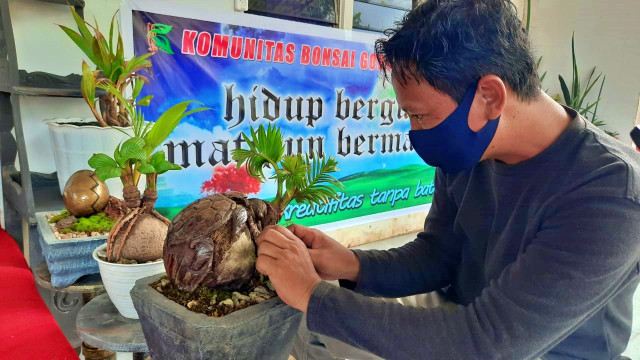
x=212, y=241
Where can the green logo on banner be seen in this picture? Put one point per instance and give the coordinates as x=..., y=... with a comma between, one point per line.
x=156, y=38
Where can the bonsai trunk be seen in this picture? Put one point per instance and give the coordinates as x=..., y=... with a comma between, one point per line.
x=212, y=241
x=140, y=234
x=112, y=113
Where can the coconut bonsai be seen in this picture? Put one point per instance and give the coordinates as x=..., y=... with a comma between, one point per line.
x=73, y=140
x=210, y=254
x=140, y=234
x=208, y=241
x=112, y=67
x=135, y=242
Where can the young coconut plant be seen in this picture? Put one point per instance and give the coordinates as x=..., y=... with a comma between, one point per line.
x=111, y=67
x=212, y=241
x=140, y=234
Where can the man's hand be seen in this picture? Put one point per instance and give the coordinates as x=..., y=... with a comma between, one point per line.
x=285, y=259
x=331, y=260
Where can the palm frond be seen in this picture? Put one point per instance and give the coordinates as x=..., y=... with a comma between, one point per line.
x=318, y=186
x=266, y=149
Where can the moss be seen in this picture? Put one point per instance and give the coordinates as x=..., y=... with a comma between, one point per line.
x=99, y=223
x=59, y=217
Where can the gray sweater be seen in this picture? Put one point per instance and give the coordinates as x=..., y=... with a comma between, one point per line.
x=542, y=256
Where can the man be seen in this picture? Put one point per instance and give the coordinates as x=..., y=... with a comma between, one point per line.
x=534, y=226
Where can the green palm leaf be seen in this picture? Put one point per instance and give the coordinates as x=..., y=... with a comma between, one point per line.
x=319, y=187
x=266, y=149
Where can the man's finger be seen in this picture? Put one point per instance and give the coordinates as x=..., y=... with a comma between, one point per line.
x=273, y=236
x=269, y=249
x=266, y=265
x=287, y=233
x=303, y=233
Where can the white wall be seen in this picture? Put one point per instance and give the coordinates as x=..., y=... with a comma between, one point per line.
x=606, y=34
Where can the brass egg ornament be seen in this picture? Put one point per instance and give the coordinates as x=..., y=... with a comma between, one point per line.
x=84, y=194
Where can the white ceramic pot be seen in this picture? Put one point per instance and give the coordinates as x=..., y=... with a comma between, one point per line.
x=119, y=279
x=74, y=145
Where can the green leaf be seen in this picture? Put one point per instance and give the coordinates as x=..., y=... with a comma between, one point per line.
x=88, y=85
x=167, y=122
x=137, y=87
x=82, y=25
x=132, y=149
x=157, y=158
x=163, y=44
x=146, y=169
x=113, y=19
x=575, y=92
x=135, y=64
x=162, y=29
x=266, y=148
x=293, y=172
x=145, y=101
x=319, y=186
x=595, y=111
x=108, y=172
x=565, y=91
x=101, y=160
x=543, y=76
x=80, y=42
x=118, y=157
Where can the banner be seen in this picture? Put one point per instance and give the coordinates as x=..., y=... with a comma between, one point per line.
x=325, y=94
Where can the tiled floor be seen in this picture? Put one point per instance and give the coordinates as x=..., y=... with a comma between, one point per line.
x=633, y=350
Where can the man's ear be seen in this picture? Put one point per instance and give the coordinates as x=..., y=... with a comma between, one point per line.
x=489, y=102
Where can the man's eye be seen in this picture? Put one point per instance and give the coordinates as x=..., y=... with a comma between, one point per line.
x=417, y=117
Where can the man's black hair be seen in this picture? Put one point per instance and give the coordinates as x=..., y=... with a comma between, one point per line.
x=453, y=43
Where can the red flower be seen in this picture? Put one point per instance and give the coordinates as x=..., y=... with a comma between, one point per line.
x=230, y=178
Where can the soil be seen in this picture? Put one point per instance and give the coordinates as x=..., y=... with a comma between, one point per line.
x=217, y=302
x=79, y=123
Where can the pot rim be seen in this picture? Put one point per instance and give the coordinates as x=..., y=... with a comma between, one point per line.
x=101, y=247
x=236, y=319
x=66, y=122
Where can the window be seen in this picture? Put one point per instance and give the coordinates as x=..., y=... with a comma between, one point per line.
x=320, y=12
x=378, y=15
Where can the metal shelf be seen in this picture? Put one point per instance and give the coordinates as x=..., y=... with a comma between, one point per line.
x=46, y=194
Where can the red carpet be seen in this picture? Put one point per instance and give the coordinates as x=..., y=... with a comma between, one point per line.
x=27, y=328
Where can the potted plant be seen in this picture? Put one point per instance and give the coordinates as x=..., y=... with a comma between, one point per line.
x=75, y=140
x=134, y=245
x=213, y=304
x=68, y=237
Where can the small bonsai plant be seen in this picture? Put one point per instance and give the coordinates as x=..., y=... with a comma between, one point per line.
x=139, y=235
x=111, y=67
x=211, y=242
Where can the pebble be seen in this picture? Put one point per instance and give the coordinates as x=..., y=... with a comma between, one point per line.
x=227, y=302
x=164, y=282
x=262, y=290
x=159, y=289
x=238, y=296
x=64, y=236
x=95, y=233
x=192, y=303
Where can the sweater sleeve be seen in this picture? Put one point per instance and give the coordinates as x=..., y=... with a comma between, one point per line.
x=421, y=266
x=582, y=256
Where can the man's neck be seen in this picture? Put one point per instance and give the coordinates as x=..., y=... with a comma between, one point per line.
x=527, y=129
